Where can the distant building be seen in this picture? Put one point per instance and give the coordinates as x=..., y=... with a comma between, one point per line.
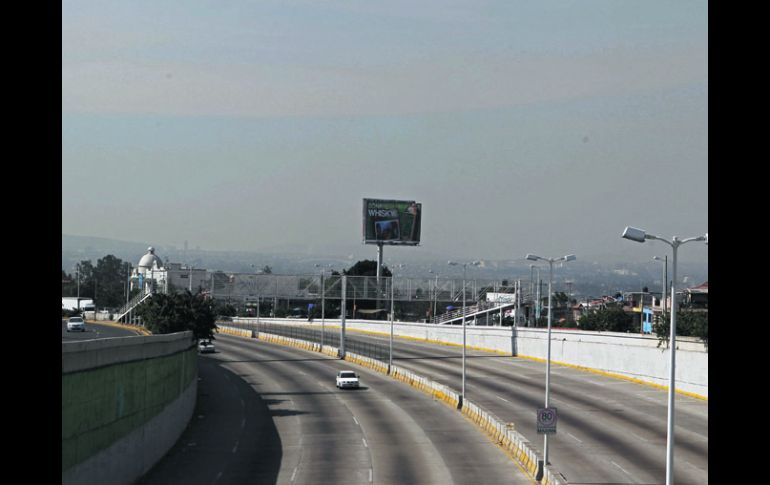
x=181, y=277
x=697, y=297
x=151, y=273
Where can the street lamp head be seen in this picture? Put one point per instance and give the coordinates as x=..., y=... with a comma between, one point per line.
x=570, y=257
x=451, y=263
x=634, y=234
x=532, y=257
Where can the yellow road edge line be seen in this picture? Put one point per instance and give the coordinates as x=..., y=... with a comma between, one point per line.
x=616, y=376
x=109, y=323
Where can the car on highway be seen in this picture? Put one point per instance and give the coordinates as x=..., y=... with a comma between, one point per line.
x=76, y=324
x=206, y=346
x=347, y=379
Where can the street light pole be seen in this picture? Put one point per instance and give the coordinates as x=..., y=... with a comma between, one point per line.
x=392, y=312
x=640, y=235
x=323, y=310
x=532, y=257
x=465, y=268
x=77, y=268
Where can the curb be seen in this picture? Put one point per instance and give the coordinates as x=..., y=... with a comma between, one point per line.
x=109, y=323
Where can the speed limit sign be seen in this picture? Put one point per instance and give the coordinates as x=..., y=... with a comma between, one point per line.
x=546, y=420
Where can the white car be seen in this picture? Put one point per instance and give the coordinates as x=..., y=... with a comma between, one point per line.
x=206, y=347
x=76, y=324
x=347, y=378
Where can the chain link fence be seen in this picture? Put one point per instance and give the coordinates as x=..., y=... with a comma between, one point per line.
x=250, y=287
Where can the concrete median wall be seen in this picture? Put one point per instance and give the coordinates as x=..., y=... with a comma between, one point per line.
x=125, y=402
x=630, y=356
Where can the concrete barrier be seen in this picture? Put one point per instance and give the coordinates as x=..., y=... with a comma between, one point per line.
x=125, y=402
x=634, y=357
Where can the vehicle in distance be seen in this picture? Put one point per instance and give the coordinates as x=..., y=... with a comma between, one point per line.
x=206, y=346
x=76, y=324
x=347, y=378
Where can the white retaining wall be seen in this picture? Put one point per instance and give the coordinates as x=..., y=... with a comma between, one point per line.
x=633, y=356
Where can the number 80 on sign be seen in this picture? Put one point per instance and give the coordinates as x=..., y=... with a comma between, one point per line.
x=546, y=420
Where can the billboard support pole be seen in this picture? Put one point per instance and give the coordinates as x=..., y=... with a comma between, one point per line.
x=392, y=312
x=323, y=310
x=379, y=272
x=344, y=311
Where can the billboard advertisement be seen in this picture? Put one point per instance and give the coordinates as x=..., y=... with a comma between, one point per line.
x=394, y=222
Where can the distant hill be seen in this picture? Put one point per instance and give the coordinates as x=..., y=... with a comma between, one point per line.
x=589, y=276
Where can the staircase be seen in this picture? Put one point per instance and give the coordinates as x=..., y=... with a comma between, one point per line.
x=479, y=308
x=455, y=316
x=135, y=301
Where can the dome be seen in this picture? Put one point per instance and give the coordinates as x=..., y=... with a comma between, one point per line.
x=150, y=258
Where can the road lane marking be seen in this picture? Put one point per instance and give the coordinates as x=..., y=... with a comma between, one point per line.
x=354, y=419
x=219, y=475
x=294, y=474
x=365, y=445
x=371, y=472
x=243, y=423
x=624, y=471
x=502, y=398
x=574, y=437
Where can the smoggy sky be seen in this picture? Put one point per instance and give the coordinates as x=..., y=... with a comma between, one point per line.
x=521, y=126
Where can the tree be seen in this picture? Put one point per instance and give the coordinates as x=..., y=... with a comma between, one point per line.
x=609, y=319
x=111, y=274
x=87, y=279
x=367, y=267
x=69, y=284
x=105, y=283
x=178, y=312
x=560, y=298
x=688, y=324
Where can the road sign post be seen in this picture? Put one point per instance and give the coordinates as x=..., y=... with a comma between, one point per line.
x=546, y=420
x=546, y=424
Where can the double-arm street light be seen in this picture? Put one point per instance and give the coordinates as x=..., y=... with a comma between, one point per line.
x=640, y=235
x=550, y=261
x=465, y=269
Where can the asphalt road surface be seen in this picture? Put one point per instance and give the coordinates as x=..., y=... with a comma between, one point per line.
x=272, y=414
x=610, y=431
x=95, y=331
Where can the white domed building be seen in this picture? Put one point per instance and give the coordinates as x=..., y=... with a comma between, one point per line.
x=149, y=273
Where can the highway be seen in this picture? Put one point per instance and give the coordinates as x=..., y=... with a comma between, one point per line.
x=272, y=414
x=95, y=331
x=610, y=431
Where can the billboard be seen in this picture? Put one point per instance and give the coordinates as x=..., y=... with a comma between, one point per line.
x=394, y=222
